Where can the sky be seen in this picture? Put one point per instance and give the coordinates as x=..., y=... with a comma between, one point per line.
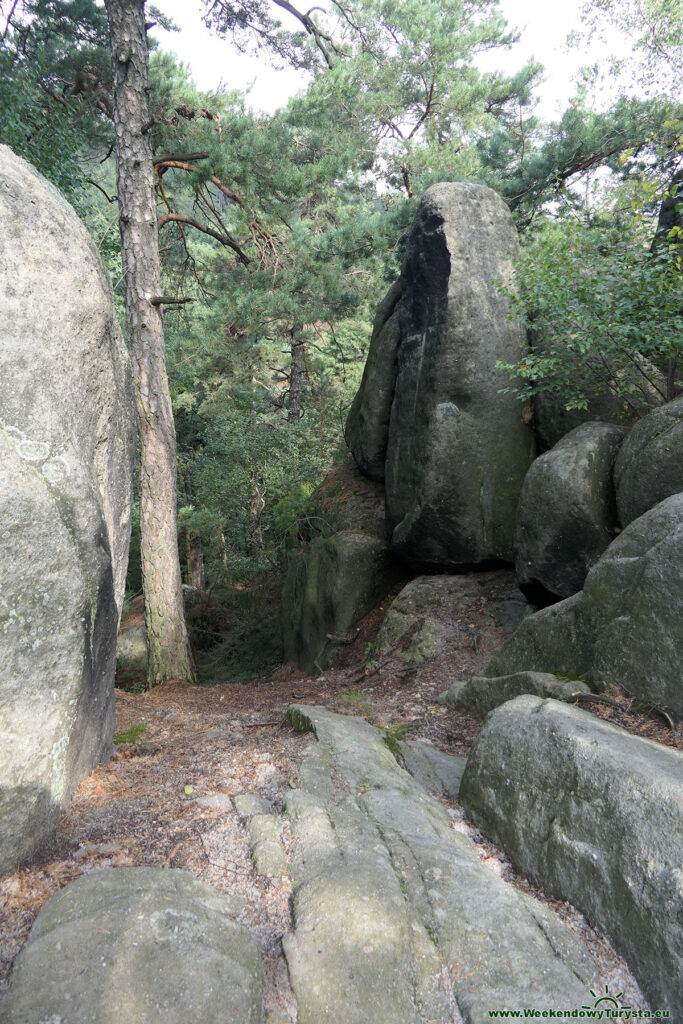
x=543, y=28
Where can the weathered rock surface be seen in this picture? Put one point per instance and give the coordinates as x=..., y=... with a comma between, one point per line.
x=482, y=694
x=67, y=451
x=437, y=772
x=433, y=613
x=343, y=571
x=348, y=500
x=625, y=625
x=131, y=654
x=567, y=512
x=136, y=944
x=329, y=586
x=649, y=466
x=454, y=449
x=389, y=900
x=594, y=815
x=553, y=421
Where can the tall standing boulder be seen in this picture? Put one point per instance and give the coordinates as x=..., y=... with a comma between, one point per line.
x=429, y=408
x=67, y=448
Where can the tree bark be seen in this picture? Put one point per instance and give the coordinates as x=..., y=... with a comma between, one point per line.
x=296, y=375
x=257, y=503
x=169, y=650
x=195, y=562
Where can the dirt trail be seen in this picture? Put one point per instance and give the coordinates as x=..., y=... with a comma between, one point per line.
x=166, y=798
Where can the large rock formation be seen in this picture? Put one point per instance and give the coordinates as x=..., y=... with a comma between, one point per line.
x=429, y=416
x=440, y=615
x=67, y=421
x=567, y=512
x=137, y=944
x=625, y=625
x=343, y=571
x=649, y=466
x=595, y=816
x=388, y=900
x=329, y=587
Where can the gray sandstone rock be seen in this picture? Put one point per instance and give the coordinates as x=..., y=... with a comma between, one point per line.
x=265, y=844
x=330, y=586
x=595, y=816
x=435, y=613
x=439, y=773
x=649, y=466
x=367, y=425
x=348, y=500
x=625, y=627
x=482, y=694
x=67, y=425
x=567, y=512
x=131, y=653
x=456, y=449
x=387, y=897
x=143, y=945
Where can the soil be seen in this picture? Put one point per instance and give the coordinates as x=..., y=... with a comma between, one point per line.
x=166, y=798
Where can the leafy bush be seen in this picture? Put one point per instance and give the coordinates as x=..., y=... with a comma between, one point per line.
x=606, y=311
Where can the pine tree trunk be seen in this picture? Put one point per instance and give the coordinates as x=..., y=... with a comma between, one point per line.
x=169, y=650
x=296, y=375
x=257, y=503
x=195, y=562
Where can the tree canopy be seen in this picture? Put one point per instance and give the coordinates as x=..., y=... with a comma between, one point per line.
x=279, y=233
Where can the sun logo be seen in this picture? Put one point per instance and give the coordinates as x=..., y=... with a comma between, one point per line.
x=606, y=1000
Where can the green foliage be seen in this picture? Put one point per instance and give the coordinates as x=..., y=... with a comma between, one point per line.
x=606, y=312
x=131, y=735
x=393, y=736
x=652, y=35
x=54, y=66
x=252, y=646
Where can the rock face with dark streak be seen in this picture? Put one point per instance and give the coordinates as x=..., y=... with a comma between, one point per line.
x=67, y=449
x=429, y=416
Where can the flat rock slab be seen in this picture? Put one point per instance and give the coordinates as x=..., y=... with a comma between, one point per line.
x=595, y=815
x=482, y=694
x=142, y=945
x=438, y=772
x=396, y=920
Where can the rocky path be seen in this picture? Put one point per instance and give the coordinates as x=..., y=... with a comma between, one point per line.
x=173, y=796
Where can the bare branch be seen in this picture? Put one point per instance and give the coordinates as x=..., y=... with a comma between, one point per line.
x=224, y=239
x=9, y=20
x=110, y=199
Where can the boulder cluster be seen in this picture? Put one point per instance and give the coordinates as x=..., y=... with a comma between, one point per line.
x=592, y=524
